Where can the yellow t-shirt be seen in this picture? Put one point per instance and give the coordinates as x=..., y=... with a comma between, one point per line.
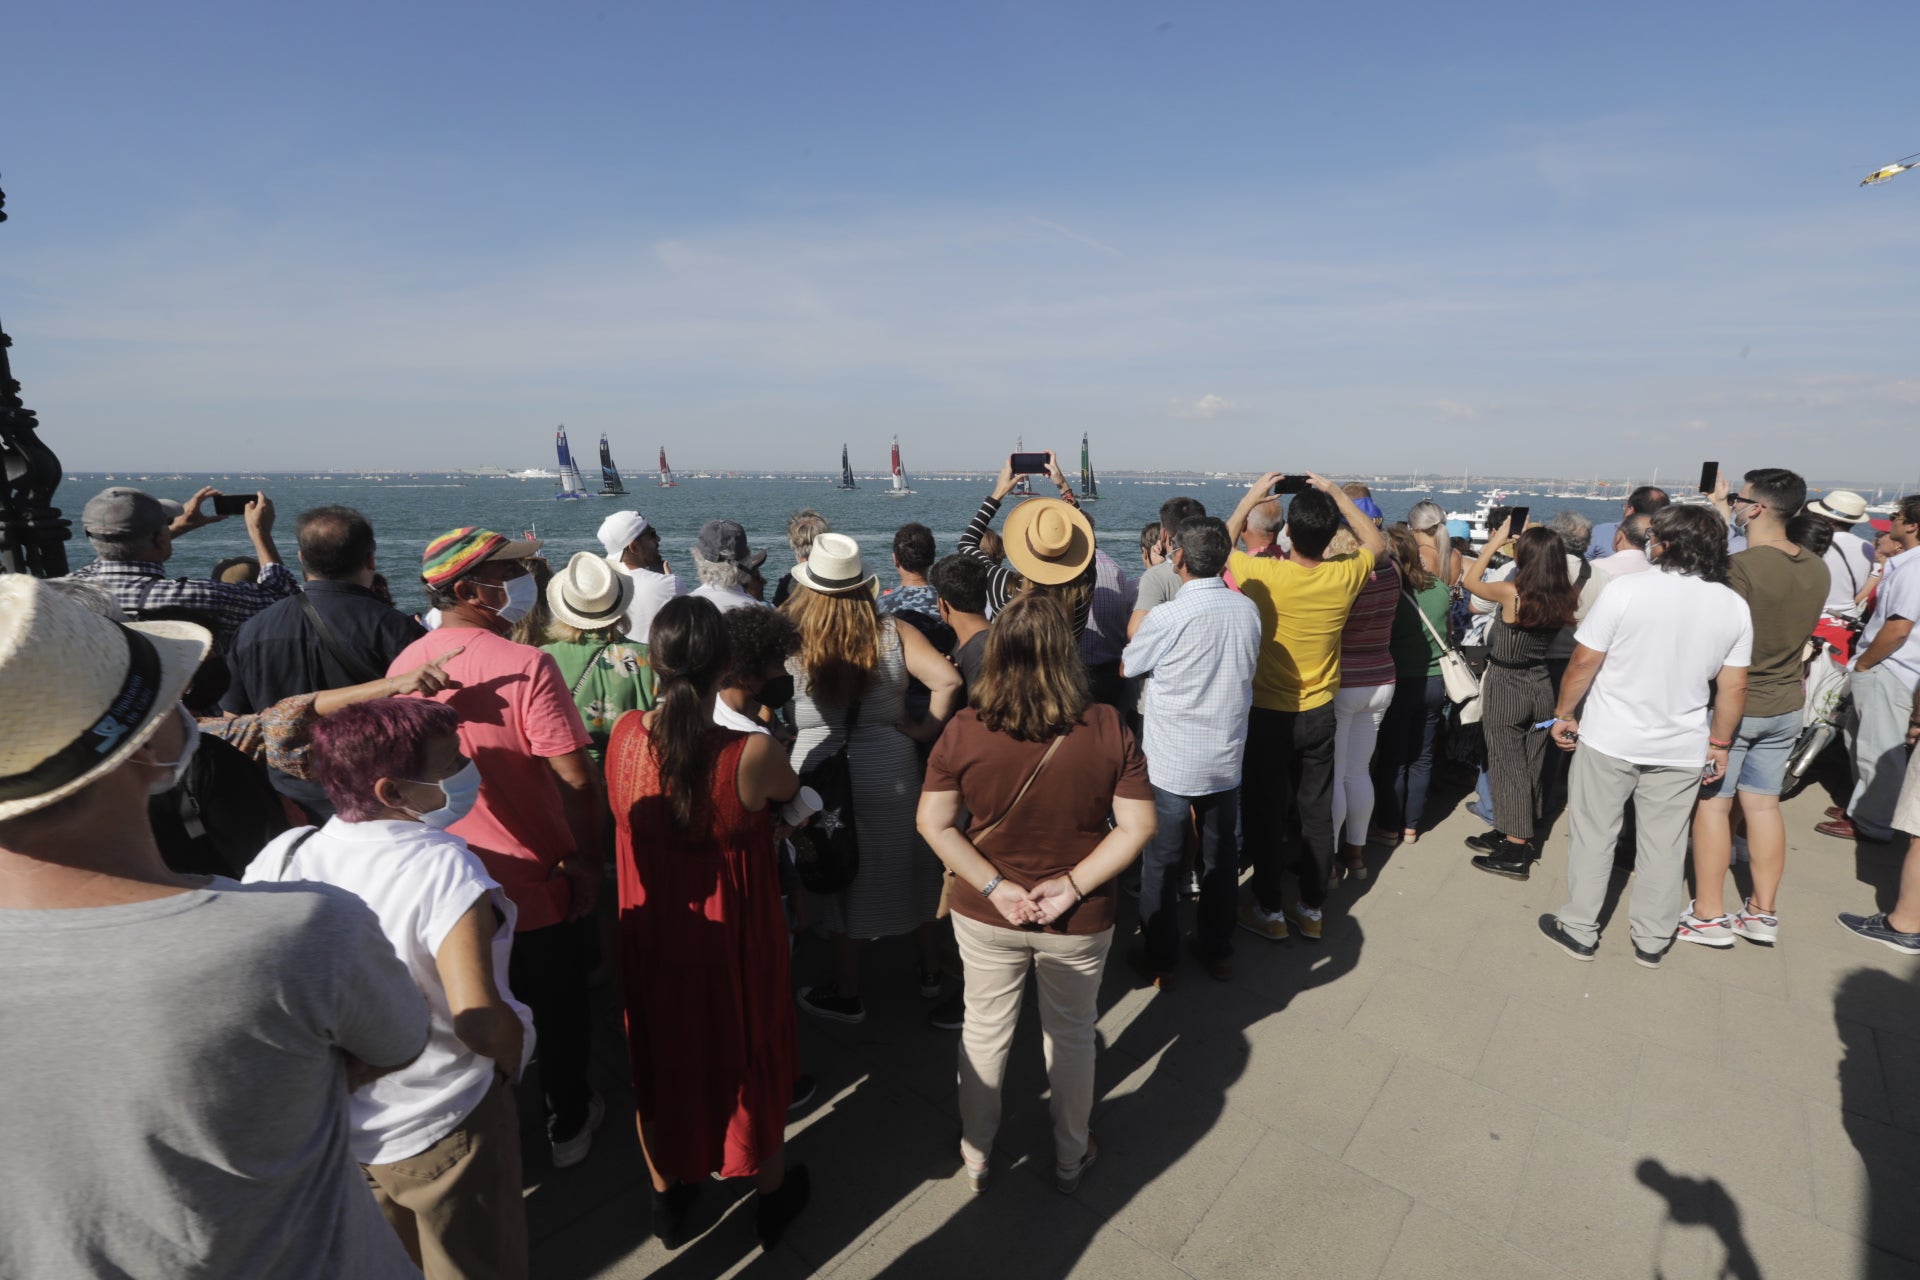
x=1301, y=612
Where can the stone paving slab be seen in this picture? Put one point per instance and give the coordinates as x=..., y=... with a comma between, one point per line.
x=1432, y=1091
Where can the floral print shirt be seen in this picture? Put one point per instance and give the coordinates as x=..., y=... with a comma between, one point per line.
x=608, y=680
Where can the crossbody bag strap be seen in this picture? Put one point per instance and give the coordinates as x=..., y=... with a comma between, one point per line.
x=356, y=670
x=1021, y=794
x=1427, y=622
x=286, y=859
x=581, y=683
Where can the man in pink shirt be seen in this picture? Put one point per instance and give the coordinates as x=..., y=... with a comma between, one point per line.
x=535, y=823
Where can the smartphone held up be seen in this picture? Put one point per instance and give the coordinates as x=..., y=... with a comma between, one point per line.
x=1289, y=484
x=231, y=504
x=1028, y=464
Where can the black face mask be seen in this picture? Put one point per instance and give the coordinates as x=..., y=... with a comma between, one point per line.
x=777, y=692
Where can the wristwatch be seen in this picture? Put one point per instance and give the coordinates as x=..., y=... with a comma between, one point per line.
x=986, y=890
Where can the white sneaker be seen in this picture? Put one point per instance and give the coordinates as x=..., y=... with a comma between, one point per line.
x=1717, y=932
x=574, y=1150
x=1756, y=926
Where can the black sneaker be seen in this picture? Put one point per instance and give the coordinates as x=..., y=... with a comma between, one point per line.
x=1559, y=937
x=949, y=1015
x=1487, y=842
x=930, y=985
x=1650, y=959
x=826, y=1002
x=1514, y=865
x=803, y=1091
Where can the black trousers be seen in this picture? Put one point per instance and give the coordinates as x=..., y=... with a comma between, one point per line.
x=1286, y=802
x=548, y=972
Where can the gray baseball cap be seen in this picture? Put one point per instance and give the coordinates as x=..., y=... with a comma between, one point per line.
x=726, y=540
x=123, y=513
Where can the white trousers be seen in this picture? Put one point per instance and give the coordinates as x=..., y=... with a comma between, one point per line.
x=1357, y=714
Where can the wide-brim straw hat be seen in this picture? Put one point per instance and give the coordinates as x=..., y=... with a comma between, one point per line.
x=1843, y=505
x=79, y=693
x=589, y=593
x=834, y=568
x=1048, y=541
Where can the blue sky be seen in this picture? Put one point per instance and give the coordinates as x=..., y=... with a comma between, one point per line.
x=1551, y=239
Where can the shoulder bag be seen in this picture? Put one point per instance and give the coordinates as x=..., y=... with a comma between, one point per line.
x=826, y=852
x=1462, y=685
x=357, y=671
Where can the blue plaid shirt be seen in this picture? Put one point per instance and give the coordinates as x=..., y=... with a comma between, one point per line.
x=139, y=586
x=1200, y=647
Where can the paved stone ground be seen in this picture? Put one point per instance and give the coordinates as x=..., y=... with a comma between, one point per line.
x=1432, y=1091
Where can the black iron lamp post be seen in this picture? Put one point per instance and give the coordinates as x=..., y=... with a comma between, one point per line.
x=33, y=536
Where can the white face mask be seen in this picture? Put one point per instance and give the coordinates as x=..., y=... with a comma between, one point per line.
x=460, y=792
x=522, y=594
x=177, y=769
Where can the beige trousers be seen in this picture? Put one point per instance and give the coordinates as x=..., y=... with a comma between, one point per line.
x=1068, y=967
x=457, y=1205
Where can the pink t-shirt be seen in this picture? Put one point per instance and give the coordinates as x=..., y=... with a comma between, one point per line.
x=515, y=713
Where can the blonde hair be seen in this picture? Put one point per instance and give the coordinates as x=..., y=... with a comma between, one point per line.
x=1033, y=685
x=1406, y=549
x=1073, y=597
x=839, y=642
x=1343, y=543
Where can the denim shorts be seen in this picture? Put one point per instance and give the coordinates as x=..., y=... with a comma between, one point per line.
x=1757, y=764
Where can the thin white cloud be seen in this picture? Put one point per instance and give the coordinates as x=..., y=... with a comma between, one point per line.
x=1207, y=407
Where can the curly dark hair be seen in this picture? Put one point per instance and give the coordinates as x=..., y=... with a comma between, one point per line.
x=1693, y=540
x=757, y=639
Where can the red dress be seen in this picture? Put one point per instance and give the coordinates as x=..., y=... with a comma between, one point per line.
x=703, y=950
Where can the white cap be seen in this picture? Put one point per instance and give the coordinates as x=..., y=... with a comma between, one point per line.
x=618, y=531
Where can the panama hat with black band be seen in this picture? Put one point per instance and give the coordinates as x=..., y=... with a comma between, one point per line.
x=589, y=593
x=834, y=568
x=79, y=694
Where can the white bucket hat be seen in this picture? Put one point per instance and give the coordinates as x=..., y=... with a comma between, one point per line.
x=589, y=593
x=78, y=693
x=1843, y=505
x=834, y=568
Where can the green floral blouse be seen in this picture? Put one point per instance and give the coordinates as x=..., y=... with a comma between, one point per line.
x=620, y=680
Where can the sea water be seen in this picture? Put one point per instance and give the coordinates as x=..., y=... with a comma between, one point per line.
x=407, y=513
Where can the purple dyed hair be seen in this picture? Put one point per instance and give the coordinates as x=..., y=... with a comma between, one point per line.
x=387, y=738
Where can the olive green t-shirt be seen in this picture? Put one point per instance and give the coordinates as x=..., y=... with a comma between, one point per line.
x=1784, y=593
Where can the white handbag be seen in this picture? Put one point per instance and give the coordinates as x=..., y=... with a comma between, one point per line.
x=1461, y=684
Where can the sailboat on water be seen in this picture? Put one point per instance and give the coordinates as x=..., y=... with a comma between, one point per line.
x=1022, y=485
x=846, y=470
x=570, y=490
x=899, y=489
x=610, y=486
x=666, y=472
x=1089, y=486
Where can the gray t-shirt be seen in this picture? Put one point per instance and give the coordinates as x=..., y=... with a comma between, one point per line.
x=175, y=1099
x=1157, y=585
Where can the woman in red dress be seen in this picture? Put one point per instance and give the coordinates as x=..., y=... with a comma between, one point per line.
x=703, y=943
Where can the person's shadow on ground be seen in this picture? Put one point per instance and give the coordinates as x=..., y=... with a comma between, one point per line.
x=1702, y=1202
x=1876, y=1080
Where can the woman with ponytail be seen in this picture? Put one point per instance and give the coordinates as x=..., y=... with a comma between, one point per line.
x=703, y=943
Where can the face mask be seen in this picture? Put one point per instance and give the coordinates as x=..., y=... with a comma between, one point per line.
x=1741, y=515
x=777, y=692
x=177, y=770
x=521, y=593
x=460, y=791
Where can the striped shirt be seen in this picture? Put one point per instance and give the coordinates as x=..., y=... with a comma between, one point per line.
x=1366, y=642
x=1201, y=647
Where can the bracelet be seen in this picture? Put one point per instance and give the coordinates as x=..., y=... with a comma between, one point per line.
x=1715, y=742
x=986, y=890
x=1077, y=895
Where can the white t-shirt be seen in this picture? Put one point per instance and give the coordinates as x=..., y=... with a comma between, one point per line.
x=725, y=598
x=650, y=591
x=1849, y=561
x=1666, y=635
x=419, y=882
x=727, y=718
x=1899, y=598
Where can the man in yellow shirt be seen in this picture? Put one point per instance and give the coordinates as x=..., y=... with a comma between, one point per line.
x=1287, y=796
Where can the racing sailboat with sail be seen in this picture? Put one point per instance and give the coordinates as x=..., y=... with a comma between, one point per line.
x=899, y=489
x=570, y=490
x=1089, y=486
x=666, y=472
x=610, y=486
x=846, y=470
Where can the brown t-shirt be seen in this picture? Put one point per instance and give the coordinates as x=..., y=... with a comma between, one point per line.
x=1060, y=819
x=1784, y=594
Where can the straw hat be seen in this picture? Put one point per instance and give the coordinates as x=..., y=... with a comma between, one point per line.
x=79, y=694
x=1048, y=541
x=589, y=593
x=834, y=568
x=1843, y=505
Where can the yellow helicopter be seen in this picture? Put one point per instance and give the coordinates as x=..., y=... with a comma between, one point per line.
x=1897, y=167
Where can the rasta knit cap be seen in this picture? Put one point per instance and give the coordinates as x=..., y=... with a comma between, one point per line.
x=460, y=551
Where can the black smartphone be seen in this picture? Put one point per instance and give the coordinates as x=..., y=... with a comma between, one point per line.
x=231, y=504
x=1519, y=517
x=1289, y=484
x=1029, y=464
x=1709, y=476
